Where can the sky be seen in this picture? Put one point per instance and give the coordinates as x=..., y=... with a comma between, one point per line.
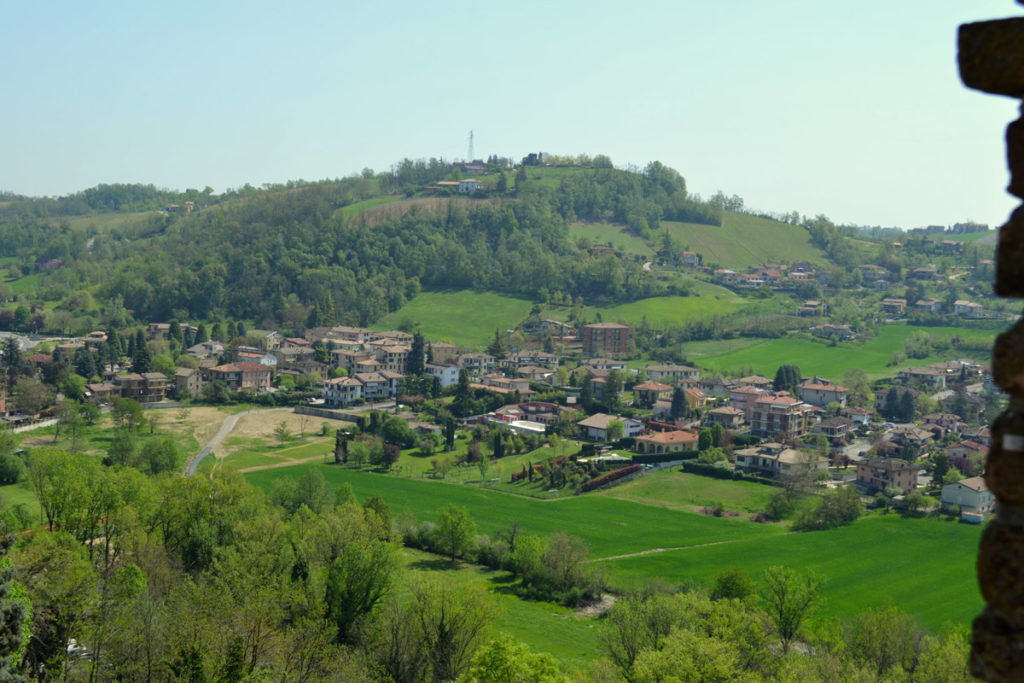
x=851, y=110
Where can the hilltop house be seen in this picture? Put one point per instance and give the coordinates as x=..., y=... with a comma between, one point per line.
x=878, y=474
x=972, y=495
x=595, y=427
x=776, y=461
x=660, y=443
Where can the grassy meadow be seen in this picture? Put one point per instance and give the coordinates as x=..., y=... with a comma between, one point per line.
x=608, y=233
x=819, y=358
x=924, y=566
x=743, y=241
x=461, y=317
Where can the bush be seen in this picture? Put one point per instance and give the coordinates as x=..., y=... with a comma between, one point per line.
x=11, y=469
x=614, y=475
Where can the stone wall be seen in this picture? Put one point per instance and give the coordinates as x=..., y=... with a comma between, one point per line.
x=991, y=55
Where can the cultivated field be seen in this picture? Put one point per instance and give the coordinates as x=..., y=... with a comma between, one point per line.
x=819, y=358
x=742, y=241
x=461, y=317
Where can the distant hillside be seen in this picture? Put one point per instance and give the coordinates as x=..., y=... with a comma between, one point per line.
x=353, y=250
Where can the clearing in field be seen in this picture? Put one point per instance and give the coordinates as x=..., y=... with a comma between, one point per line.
x=608, y=233
x=743, y=241
x=462, y=317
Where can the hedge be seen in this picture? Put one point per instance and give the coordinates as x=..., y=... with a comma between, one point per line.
x=652, y=458
x=604, y=479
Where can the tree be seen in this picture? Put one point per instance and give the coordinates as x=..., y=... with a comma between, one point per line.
x=12, y=614
x=789, y=599
x=615, y=430
x=891, y=406
x=416, y=360
x=461, y=405
x=859, y=388
x=704, y=439
x=127, y=414
x=787, y=377
x=358, y=579
x=587, y=392
x=505, y=659
x=940, y=462
x=31, y=396
x=451, y=623
x=733, y=583
x=613, y=391
x=680, y=408
x=455, y=530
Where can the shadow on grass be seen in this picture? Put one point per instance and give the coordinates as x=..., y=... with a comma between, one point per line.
x=436, y=565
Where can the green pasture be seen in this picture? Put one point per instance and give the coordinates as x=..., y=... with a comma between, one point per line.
x=544, y=627
x=104, y=222
x=462, y=317
x=678, y=490
x=820, y=358
x=609, y=526
x=353, y=210
x=743, y=241
x=663, y=311
x=924, y=566
x=608, y=233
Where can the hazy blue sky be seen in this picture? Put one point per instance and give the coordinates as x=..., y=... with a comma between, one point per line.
x=851, y=109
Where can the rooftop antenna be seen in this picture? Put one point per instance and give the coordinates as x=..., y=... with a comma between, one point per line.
x=470, y=157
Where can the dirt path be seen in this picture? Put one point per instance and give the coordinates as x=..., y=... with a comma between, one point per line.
x=224, y=430
x=653, y=551
x=284, y=463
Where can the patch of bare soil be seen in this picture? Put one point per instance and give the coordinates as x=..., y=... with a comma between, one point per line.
x=261, y=425
x=596, y=609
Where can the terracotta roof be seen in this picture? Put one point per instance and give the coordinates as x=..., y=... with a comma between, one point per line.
x=680, y=436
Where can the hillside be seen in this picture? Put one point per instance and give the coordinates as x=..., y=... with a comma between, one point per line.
x=743, y=241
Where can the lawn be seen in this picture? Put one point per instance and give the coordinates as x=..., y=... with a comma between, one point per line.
x=924, y=566
x=675, y=489
x=542, y=626
x=608, y=233
x=462, y=317
x=819, y=358
x=743, y=241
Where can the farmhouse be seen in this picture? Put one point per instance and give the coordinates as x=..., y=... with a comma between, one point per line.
x=894, y=306
x=242, y=376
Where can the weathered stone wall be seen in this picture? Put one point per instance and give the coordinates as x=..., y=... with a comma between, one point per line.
x=991, y=55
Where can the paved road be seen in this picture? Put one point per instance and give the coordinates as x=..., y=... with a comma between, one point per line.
x=224, y=430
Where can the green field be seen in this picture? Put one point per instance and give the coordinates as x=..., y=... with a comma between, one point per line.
x=610, y=527
x=818, y=358
x=463, y=317
x=663, y=311
x=743, y=241
x=353, y=210
x=607, y=233
x=104, y=222
x=679, y=490
x=924, y=566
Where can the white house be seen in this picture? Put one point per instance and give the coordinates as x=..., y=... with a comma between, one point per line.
x=972, y=495
x=446, y=373
x=595, y=427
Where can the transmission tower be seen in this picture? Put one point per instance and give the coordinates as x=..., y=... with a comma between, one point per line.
x=469, y=159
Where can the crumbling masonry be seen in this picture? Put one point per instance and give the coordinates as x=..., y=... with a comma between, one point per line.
x=991, y=55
